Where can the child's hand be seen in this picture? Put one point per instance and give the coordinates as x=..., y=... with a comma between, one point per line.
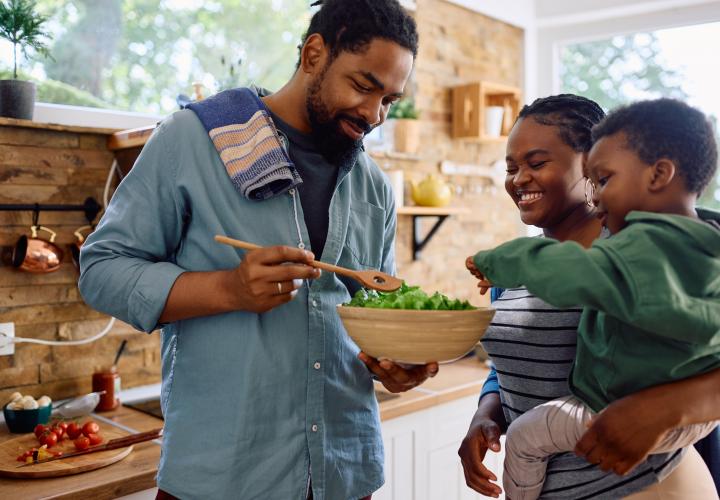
x=483, y=284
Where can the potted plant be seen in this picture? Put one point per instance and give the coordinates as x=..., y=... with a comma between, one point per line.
x=405, y=125
x=23, y=27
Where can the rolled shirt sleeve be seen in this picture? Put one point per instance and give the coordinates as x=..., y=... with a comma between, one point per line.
x=127, y=263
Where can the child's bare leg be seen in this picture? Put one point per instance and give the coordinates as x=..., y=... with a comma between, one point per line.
x=550, y=428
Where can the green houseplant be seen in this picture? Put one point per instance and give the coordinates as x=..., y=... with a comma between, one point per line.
x=403, y=121
x=23, y=27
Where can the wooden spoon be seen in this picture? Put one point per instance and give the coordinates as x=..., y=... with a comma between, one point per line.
x=376, y=280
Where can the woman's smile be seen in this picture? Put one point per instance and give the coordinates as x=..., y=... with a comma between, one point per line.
x=526, y=198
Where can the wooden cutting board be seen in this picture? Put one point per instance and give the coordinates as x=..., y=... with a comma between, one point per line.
x=9, y=451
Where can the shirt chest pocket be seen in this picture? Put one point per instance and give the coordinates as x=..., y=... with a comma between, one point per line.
x=365, y=236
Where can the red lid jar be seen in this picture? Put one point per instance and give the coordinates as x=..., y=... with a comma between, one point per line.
x=107, y=380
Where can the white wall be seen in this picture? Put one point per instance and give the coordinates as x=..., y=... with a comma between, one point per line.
x=579, y=22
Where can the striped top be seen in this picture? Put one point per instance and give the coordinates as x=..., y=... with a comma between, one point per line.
x=532, y=345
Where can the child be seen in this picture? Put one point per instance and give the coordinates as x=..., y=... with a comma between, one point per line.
x=651, y=292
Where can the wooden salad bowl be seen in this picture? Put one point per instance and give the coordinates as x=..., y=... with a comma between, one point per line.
x=415, y=336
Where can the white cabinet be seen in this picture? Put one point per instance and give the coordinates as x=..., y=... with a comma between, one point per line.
x=421, y=460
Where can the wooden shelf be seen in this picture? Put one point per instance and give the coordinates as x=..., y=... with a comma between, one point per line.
x=414, y=210
x=132, y=138
x=394, y=155
x=15, y=122
x=470, y=102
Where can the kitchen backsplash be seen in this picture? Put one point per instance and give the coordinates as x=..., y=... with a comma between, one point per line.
x=66, y=165
x=57, y=165
x=457, y=46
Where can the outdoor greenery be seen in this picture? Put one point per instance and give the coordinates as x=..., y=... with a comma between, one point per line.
x=59, y=92
x=138, y=55
x=622, y=70
x=23, y=27
x=404, y=109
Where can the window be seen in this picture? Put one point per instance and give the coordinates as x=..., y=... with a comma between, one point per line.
x=671, y=63
x=139, y=55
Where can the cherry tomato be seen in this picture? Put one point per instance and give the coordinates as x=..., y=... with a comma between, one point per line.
x=82, y=443
x=49, y=439
x=59, y=431
x=74, y=430
x=95, y=439
x=90, y=428
x=39, y=429
x=62, y=425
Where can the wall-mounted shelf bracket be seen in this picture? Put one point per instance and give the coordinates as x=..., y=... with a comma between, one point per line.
x=441, y=213
x=419, y=243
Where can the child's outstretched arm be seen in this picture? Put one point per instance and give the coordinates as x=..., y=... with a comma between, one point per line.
x=563, y=274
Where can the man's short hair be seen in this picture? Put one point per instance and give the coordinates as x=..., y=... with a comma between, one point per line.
x=667, y=128
x=350, y=25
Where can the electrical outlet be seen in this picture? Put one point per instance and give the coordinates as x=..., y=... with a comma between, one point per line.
x=7, y=332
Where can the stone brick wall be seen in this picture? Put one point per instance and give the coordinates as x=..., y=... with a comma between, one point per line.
x=57, y=165
x=67, y=165
x=457, y=46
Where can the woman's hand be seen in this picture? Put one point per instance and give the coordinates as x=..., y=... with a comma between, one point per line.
x=623, y=434
x=483, y=284
x=483, y=435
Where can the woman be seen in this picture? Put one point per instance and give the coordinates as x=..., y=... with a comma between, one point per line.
x=533, y=344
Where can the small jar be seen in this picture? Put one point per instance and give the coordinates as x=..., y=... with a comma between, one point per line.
x=107, y=380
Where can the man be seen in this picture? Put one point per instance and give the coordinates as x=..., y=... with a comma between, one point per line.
x=263, y=392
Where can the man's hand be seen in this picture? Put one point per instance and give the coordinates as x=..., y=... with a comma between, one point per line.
x=268, y=277
x=483, y=284
x=483, y=435
x=396, y=378
x=623, y=434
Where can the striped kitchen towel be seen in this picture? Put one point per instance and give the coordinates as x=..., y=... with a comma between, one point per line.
x=240, y=127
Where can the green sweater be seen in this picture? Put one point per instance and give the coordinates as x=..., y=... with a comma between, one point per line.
x=651, y=297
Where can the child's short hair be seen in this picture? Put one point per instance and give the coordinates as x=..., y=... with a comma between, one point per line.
x=667, y=128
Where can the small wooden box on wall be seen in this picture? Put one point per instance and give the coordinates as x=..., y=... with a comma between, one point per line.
x=470, y=103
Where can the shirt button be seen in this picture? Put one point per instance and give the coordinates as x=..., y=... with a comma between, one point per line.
x=314, y=427
x=316, y=365
x=314, y=303
x=301, y=245
x=291, y=192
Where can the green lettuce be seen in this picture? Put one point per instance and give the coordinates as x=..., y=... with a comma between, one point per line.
x=407, y=297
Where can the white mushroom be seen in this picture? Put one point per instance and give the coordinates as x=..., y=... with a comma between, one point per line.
x=30, y=405
x=14, y=397
x=44, y=401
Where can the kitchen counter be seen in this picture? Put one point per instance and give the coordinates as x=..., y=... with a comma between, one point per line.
x=454, y=381
x=137, y=471
x=134, y=473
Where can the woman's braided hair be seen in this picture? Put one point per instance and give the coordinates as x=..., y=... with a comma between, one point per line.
x=574, y=117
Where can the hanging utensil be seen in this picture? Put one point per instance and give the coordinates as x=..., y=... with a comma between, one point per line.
x=377, y=280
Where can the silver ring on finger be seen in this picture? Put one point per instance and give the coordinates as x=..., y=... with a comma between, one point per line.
x=279, y=287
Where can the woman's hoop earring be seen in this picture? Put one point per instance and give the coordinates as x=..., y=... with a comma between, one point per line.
x=589, y=193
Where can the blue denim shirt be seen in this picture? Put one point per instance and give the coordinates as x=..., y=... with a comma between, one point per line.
x=253, y=403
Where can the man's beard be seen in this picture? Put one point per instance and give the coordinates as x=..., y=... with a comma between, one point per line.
x=334, y=145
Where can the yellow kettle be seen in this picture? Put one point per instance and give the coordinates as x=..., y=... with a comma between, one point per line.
x=431, y=192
